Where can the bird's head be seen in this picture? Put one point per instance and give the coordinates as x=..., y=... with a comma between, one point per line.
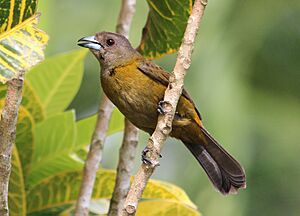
x=109, y=48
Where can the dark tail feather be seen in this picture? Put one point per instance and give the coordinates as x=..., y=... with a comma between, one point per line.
x=226, y=174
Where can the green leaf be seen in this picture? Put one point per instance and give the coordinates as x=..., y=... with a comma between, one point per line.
x=57, y=80
x=31, y=101
x=24, y=138
x=20, y=47
x=61, y=191
x=85, y=127
x=165, y=27
x=54, y=144
x=29, y=115
x=17, y=193
x=165, y=208
x=15, y=12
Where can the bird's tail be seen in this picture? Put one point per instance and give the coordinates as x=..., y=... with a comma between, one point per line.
x=226, y=174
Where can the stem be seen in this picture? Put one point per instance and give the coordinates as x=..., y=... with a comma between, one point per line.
x=130, y=139
x=94, y=157
x=172, y=95
x=8, y=122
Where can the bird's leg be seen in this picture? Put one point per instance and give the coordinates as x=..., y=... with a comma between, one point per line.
x=147, y=160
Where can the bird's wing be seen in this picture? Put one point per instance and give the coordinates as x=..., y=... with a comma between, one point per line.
x=158, y=74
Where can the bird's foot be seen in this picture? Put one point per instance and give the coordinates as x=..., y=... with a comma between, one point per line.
x=162, y=106
x=147, y=160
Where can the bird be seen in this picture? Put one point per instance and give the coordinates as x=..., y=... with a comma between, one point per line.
x=136, y=86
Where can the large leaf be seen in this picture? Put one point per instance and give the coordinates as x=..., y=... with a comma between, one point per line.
x=85, y=127
x=60, y=191
x=54, y=143
x=165, y=208
x=17, y=193
x=57, y=80
x=165, y=26
x=20, y=47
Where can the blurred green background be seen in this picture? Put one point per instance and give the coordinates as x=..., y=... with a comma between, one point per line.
x=245, y=80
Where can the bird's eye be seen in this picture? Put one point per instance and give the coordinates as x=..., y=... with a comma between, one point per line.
x=110, y=42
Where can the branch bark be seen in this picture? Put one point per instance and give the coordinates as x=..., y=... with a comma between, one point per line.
x=8, y=124
x=130, y=139
x=172, y=95
x=94, y=157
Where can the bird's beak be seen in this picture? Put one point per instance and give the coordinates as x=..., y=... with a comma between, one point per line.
x=90, y=42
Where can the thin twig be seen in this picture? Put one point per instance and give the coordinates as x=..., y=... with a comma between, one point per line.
x=8, y=122
x=94, y=157
x=164, y=124
x=130, y=139
x=125, y=17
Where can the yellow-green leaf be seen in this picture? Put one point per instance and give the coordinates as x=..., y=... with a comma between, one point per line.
x=14, y=12
x=164, y=190
x=165, y=208
x=61, y=191
x=20, y=48
x=57, y=80
x=17, y=193
x=165, y=27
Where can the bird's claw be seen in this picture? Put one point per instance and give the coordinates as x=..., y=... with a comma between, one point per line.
x=160, y=107
x=146, y=160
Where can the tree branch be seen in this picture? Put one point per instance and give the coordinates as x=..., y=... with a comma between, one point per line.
x=130, y=139
x=94, y=157
x=8, y=122
x=172, y=95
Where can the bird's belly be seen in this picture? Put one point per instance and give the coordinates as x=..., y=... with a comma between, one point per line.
x=138, y=109
x=136, y=96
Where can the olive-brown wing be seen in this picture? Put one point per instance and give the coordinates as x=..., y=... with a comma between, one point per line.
x=186, y=107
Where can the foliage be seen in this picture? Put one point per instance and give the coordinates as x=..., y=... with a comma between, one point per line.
x=165, y=27
x=50, y=147
x=46, y=171
x=60, y=191
x=21, y=43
